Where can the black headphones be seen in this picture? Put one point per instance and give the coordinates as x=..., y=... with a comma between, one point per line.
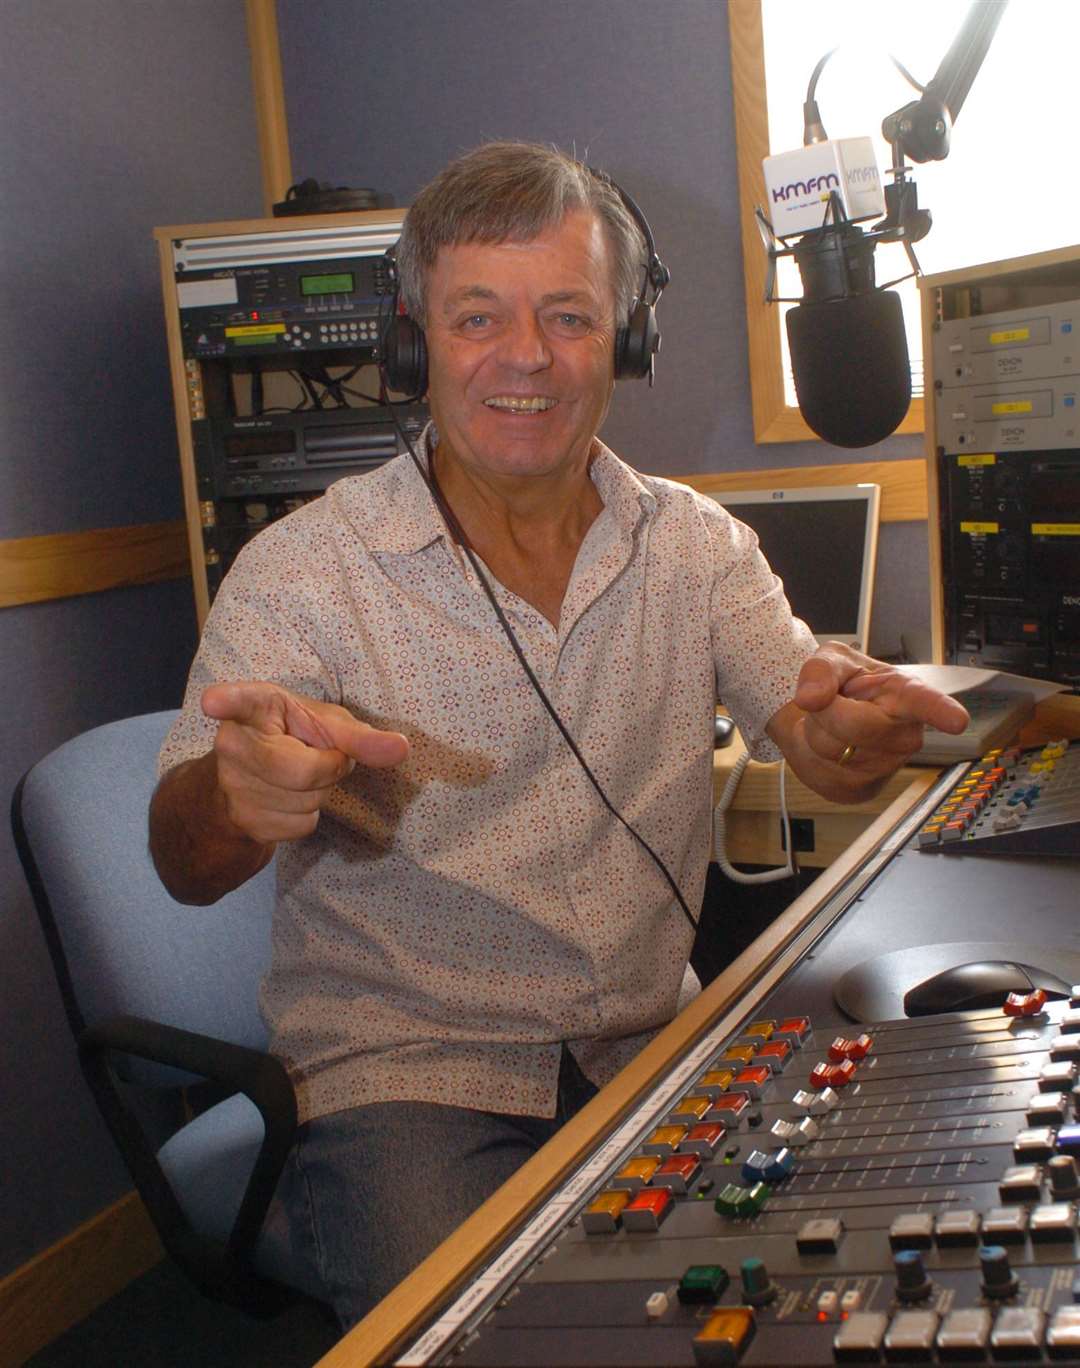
x=403, y=349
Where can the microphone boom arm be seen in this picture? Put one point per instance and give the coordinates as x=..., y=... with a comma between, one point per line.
x=921, y=129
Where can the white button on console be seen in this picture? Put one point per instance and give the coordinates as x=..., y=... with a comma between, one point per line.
x=964, y=1333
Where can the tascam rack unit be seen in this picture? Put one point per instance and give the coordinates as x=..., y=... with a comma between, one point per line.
x=270, y=326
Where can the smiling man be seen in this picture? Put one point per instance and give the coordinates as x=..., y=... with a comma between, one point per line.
x=485, y=912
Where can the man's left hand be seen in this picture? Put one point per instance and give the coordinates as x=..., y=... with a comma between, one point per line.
x=854, y=721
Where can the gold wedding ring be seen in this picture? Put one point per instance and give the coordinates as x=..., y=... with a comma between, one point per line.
x=845, y=755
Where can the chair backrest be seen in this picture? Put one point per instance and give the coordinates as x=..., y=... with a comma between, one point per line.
x=119, y=942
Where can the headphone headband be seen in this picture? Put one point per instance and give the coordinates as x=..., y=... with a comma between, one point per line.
x=657, y=275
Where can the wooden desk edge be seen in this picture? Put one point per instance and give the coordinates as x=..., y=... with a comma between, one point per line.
x=404, y=1311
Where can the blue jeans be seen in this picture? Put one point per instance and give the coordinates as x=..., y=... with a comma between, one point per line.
x=369, y=1192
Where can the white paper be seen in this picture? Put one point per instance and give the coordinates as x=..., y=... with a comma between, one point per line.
x=956, y=679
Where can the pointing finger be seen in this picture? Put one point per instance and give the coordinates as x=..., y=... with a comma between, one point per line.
x=250, y=703
x=326, y=725
x=909, y=700
x=274, y=711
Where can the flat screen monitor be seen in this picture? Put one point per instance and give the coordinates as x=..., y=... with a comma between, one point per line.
x=822, y=542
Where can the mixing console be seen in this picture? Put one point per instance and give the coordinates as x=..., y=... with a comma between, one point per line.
x=1012, y=802
x=900, y=1192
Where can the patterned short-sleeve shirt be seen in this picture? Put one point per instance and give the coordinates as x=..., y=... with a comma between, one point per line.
x=452, y=922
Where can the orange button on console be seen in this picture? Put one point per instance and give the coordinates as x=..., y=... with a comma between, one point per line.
x=664, y=1140
x=636, y=1173
x=724, y=1336
x=715, y=1082
x=601, y=1216
x=690, y=1109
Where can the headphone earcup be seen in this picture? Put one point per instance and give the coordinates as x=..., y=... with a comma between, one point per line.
x=637, y=343
x=404, y=356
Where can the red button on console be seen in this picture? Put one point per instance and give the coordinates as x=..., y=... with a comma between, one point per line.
x=647, y=1209
x=794, y=1029
x=825, y=1075
x=753, y=1080
x=678, y=1172
x=1025, y=1004
x=842, y=1048
x=776, y=1055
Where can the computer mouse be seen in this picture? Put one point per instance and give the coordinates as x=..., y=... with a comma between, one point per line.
x=723, y=731
x=983, y=983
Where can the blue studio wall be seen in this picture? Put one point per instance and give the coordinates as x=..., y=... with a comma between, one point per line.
x=384, y=93
x=117, y=116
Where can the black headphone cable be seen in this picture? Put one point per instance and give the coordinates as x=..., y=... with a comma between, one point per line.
x=458, y=533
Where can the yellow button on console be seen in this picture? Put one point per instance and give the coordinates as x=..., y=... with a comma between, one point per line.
x=636, y=1173
x=724, y=1336
x=601, y=1216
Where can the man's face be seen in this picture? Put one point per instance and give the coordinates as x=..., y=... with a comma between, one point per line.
x=521, y=339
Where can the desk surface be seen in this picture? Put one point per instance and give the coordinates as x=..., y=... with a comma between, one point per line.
x=752, y=826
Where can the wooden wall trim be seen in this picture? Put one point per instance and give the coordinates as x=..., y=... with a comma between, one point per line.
x=774, y=420
x=903, y=483
x=269, y=93
x=64, y=564
x=65, y=1283
x=35, y=569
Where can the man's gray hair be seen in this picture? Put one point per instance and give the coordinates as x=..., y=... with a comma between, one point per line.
x=513, y=192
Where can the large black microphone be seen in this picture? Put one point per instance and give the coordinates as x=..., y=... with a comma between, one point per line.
x=849, y=352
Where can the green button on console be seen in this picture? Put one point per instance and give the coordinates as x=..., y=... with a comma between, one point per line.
x=703, y=1283
x=728, y=1198
x=752, y=1200
x=742, y=1202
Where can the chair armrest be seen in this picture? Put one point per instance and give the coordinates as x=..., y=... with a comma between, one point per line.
x=259, y=1076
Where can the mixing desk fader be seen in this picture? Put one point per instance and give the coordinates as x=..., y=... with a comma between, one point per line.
x=1012, y=802
x=898, y=1192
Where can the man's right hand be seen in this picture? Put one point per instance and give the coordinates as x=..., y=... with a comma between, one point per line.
x=215, y=820
x=280, y=754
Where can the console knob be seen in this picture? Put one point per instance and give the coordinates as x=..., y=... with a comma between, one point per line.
x=1064, y=1179
x=757, y=1287
x=912, y=1284
x=998, y=1279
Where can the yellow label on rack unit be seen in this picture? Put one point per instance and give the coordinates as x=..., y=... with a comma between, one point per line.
x=979, y=529
x=255, y=330
x=983, y=459
x=1055, y=529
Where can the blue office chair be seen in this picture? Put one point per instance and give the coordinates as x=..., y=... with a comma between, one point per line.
x=162, y=1001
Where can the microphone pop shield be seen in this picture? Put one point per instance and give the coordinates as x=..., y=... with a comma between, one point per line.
x=849, y=359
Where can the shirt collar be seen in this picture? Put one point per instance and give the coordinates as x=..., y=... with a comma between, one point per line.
x=402, y=517
x=392, y=507
x=625, y=495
